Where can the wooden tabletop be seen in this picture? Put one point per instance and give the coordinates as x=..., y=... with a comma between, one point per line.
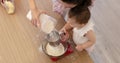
x=20, y=41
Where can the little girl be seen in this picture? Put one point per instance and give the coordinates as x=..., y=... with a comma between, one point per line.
x=8, y=5
x=60, y=6
x=83, y=34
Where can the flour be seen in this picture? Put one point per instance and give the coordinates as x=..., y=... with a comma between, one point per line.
x=47, y=27
x=55, y=51
x=47, y=23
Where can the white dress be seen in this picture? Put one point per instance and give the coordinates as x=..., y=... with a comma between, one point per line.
x=78, y=34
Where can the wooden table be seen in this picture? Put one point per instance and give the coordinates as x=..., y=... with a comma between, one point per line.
x=20, y=41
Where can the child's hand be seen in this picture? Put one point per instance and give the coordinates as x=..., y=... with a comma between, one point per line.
x=64, y=35
x=79, y=47
x=35, y=17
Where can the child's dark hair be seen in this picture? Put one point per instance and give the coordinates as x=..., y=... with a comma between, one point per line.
x=81, y=15
x=80, y=11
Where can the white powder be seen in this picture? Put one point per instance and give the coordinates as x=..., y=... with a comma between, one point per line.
x=55, y=51
x=47, y=27
x=47, y=23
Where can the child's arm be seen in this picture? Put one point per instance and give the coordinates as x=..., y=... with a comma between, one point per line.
x=67, y=27
x=65, y=31
x=91, y=40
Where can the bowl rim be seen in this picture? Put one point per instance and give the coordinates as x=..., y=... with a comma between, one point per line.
x=52, y=55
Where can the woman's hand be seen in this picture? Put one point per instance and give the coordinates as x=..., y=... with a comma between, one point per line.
x=35, y=17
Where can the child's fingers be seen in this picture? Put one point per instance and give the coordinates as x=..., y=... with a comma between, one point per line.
x=66, y=36
x=64, y=30
x=79, y=48
x=63, y=37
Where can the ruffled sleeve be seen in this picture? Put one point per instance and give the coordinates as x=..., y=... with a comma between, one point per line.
x=89, y=26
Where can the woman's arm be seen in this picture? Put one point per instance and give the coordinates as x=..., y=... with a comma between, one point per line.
x=35, y=13
x=32, y=4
